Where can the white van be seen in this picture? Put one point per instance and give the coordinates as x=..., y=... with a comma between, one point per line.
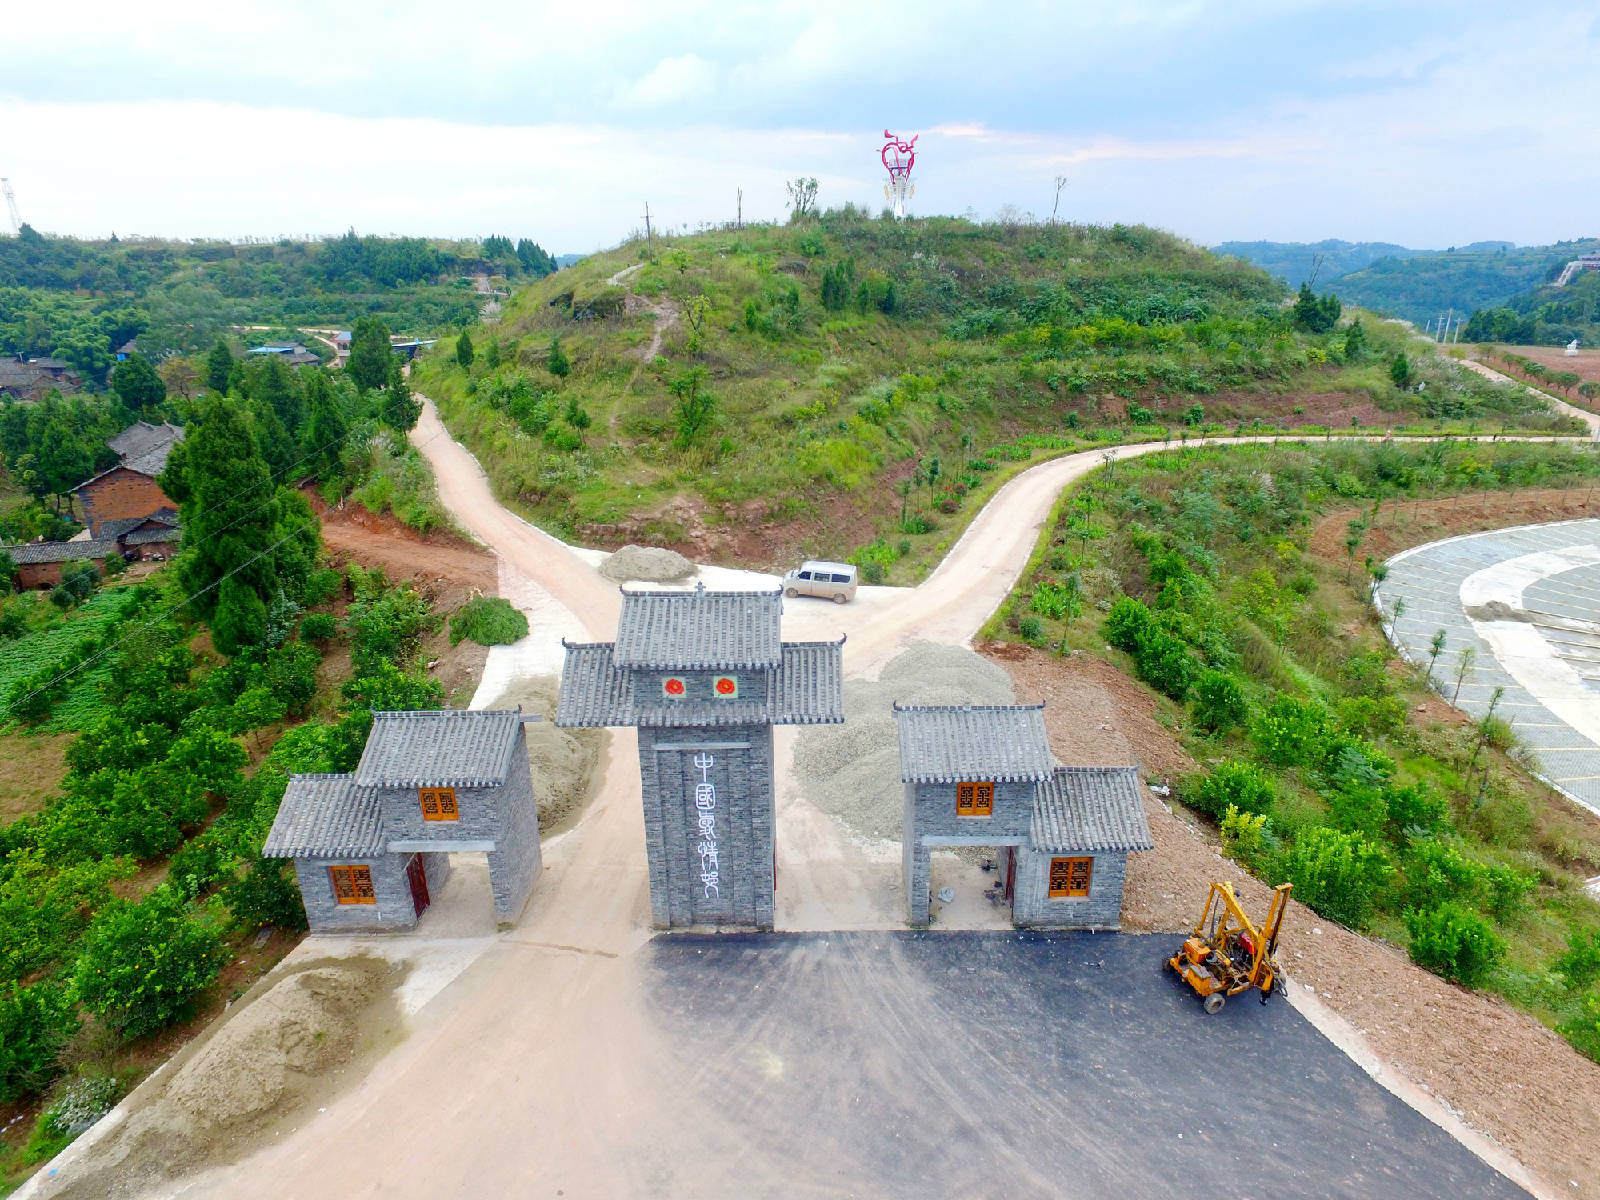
x=831, y=580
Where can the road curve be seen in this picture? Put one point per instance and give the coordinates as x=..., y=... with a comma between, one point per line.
x=541, y=1062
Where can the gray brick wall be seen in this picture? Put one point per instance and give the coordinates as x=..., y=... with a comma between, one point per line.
x=1101, y=909
x=515, y=862
x=394, y=908
x=929, y=811
x=742, y=819
x=647, y=684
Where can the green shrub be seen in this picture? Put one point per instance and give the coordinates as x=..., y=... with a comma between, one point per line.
x=1031, y=629
x=266, y=894
x=1416, y=810
x=78, y=1105
x=201, y=864
x=1167, y=665
x=1291, y=732
x=1219, y=701
x=489, y=621
x=1507, y=890
x=35, y=1022
x=1583, y=1030
x=1337, y=874
x=872, y=573
x=1579, y=964
x=318, y=627
x=1244, y=836
x=1237, y=785
x=1436, y=871
x=143, y=965
x=1451, y=940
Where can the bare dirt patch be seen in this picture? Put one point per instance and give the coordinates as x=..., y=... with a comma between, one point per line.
x=31, y=768
x=1507, y=1075
x=300, y=1040
x=1417, y=522
x=351, y=532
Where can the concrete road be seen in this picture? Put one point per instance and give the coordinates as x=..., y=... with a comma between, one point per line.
x=578, y=1057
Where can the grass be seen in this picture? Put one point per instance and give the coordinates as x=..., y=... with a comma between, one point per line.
x=997, y=334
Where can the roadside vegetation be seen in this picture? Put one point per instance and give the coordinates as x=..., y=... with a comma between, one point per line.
x=1331, y=763
x=864, y=378
x=134, y=893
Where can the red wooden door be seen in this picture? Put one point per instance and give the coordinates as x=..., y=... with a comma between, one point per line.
x=1011, y=873
x=418, y=879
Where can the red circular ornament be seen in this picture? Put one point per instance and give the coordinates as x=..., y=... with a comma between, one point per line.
x=673, y=687
x=726, y=686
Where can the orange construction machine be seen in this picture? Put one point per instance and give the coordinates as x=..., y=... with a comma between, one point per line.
x=1226, y=954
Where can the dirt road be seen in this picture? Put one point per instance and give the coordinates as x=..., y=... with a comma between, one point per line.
x=544, y=1065
x=1592, y=420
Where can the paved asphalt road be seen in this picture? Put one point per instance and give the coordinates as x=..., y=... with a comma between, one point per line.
x=1023, y=1064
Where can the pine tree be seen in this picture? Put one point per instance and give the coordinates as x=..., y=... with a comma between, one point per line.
x=273, y=382
x=240, y=619
x=136, y=383
x=400, y=408
x=370, y=356
x=1400, y=371
x=228, y=504
x=464, y=354
x=556, y=361
x=325, y=428
x=219, y=365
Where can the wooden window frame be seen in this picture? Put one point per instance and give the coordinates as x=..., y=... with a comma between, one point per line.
x=353, y=875
x=975, y=798
x=444, y=804
x=1069, y=867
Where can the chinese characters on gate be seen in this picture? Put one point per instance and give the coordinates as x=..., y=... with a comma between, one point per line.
x=705, y=803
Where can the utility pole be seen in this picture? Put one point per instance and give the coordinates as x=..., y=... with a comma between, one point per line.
x=648, y=236
x=740, y=222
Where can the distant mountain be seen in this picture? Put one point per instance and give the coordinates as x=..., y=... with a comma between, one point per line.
x=1293, y=262
x=567, y=260
x=1418, y=285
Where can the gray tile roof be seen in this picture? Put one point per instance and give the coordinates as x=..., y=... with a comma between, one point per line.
x=51, y=552
x=445, y=748
x=709, y=630
x=158, y=533
x=804, y=690
x=326, y=816
x=949, y=744
x=141, y=437
x=1090, y=808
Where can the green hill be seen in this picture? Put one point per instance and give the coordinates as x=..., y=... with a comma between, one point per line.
x=1294, y=262
x=1543, y=316
x=79, y=300
x=826, y=384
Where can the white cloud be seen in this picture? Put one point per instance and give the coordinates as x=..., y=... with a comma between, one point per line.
x=670, y=81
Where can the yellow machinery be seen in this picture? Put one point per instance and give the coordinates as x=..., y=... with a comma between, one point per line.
x=1227, y=954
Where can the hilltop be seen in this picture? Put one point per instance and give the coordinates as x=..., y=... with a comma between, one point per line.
x=851, y=381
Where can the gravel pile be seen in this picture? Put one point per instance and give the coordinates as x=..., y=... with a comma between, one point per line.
x=647, y=564
x=563, y=761
x=853, y=770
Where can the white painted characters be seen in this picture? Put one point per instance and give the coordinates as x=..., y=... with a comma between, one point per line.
x=705, y=801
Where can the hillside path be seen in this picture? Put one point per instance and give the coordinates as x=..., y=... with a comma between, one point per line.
x=1592, y=420
x=544, y=1064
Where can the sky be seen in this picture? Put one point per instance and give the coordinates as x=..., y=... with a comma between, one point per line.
x=1425, y=124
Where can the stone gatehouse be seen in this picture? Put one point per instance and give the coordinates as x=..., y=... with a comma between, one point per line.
x=984, y=776
x=704, y=676
x=372, y=848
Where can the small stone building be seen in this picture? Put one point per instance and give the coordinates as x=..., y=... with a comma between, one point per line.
x=983, y=776
x=705, y=676
x=372, y=848
x=39, y=563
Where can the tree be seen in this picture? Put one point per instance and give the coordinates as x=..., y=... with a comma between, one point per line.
x=802, y=197
x=1590, y=391
x=143, y=965
x=696, y=409
x=370, y=356
x=1316, y=315
x=1355, y=342
x=229, y=508
x=325, y=428
x=1435, y=648
x=1464, y=663
x=219, y=366
x=1400, y=371
x=35, y=1022
x=556, y=360
x=136, y=383
x=239, y=620
x=464, y=354
x=400, y=408
x=271, y=381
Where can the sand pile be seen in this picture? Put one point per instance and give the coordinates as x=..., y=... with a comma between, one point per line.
x=279, y=1053
x=853, y=770
x=563, y=761
x=647, y=564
